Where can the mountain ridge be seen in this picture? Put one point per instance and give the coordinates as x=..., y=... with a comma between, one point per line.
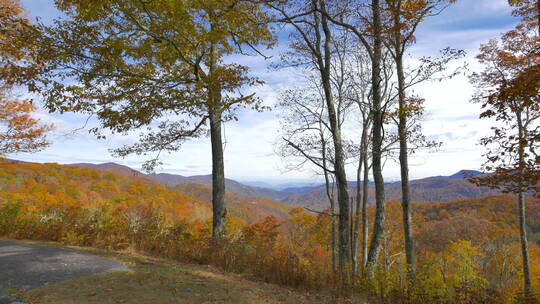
x=429, y=189
x=96, y=184
x=230, y=184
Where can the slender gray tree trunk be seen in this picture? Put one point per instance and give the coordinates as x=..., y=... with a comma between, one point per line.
x=404, y=166
x=339, y=165
x=378, y=123
x=359, y=200
x=334, y=240
x=365, y=219
x=218, y=169
x=341, y=183
x=527, y=285
x=357, y=218
x=330, y=195
x=403, y=143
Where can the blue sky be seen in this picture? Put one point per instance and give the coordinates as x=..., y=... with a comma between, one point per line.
x=249, y=151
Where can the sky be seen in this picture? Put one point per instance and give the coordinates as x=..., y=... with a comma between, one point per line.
x=250, y=142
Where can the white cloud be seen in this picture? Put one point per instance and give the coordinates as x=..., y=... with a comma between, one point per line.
x=248, y=153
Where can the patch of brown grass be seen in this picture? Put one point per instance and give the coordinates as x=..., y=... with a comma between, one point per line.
x=156, y=281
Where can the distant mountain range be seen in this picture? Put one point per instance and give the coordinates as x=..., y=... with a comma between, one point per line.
x=465, y=174
x=231, y=185
x=175, y=179
x=430, y=189
x=285, y=187
x=117, y=169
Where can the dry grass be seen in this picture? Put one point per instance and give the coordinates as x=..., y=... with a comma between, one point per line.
x=157, y=281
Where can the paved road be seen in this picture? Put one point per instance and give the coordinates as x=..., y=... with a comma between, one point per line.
x=24, y=266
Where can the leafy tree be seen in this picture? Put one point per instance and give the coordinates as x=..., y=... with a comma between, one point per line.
x=19, y=131
x=12, y=22
x=155, y=64
x=508, y=89
x=529, y=10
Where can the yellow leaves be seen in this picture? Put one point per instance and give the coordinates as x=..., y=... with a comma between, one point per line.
x=136, y=63
x=82, y=206
x=12, y=19
x=462, y=266
x=414, y=5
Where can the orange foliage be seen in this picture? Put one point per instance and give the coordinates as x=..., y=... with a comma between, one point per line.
x=467, y=250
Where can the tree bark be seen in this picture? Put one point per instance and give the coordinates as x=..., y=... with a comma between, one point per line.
x=398, y=44
x=365, y=219
x=218, y=178
x=330, y=195
x=359, y=201
x=378, y=124
x=339, y=166
x=218, y=168
x=334, y=241
x=404, y=167
x=357, y=219
x=527, y=285
x=318, y=42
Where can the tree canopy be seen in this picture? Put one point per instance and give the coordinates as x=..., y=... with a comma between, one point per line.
x=146, y=63
x=20, y=131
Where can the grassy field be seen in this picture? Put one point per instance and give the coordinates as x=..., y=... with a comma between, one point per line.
x=157, y=281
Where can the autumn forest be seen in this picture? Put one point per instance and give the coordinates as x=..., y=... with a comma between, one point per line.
x=174, y=71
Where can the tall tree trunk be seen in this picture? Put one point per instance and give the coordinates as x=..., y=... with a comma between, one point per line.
x=378, y=124
x=330, y=195
x=339, y=165
x=218, y=170
x=365, y=219
x=403, y=144
x=334, y=240
x=527, y=285
x=341, y=183
x=359, y=200
x=357, y=218
x=404, y=166
x=351, y=228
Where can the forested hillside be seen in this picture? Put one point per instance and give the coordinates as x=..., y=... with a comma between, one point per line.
x=363, y=94
x=231, y=185
x=117, y=169
x=469, y=243
x=476, y=218
x=54, y=185
x=431, y=189
x=175, y=179
x=243, y=206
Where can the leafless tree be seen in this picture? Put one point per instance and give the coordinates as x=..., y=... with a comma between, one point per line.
x=311, y=46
